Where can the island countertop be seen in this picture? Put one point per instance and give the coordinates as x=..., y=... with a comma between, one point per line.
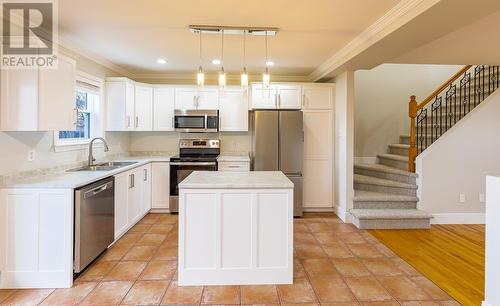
x=236, y=180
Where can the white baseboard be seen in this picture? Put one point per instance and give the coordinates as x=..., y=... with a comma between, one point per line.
x=159, y=211
x=458, y=218
x=318, y=209
x=365, y=160
x=345, y=216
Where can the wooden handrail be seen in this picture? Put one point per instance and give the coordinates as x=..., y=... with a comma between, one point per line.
x=413, y=109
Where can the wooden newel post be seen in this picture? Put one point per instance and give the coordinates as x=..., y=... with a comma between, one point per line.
x=412, y=152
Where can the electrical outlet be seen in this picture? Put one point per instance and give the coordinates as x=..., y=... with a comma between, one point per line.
x=31, y=155
x=462, y=198
x=482, y=198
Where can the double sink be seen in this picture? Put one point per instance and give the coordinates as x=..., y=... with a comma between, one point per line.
x=104, y=166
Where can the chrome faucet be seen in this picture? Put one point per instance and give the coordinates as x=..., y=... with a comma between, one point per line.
x=91, y=157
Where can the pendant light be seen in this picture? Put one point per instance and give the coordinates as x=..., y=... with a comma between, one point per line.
x=266, y=78
x=244, y=74
x=222, y=74
x=200, y=76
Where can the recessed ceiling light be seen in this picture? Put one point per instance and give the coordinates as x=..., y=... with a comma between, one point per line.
x=216, y=61
x=270, y=63
x=161, y=61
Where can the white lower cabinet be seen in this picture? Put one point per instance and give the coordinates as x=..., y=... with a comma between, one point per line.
x=132, y=191
x=36, y=238
x=160, y=174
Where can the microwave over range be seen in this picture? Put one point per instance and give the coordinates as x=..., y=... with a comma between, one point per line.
x=196, y=121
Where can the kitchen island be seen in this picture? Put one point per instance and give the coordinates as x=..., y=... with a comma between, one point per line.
x=235, y=228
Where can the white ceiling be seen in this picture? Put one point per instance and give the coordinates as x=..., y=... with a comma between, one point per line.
x=133, y=34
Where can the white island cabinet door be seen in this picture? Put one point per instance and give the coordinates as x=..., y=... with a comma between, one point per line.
x=233, y=110
x=143, y=108
x=163, y=109
x=57, y=97
x=36, y=238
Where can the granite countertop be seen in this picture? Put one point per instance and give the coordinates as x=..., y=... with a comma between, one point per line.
x=71, y=180
x=236, y=180
x=234, y=157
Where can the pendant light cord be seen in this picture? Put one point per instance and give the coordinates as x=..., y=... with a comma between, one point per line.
x=244, y=49
x=222, y=51
x=266, y=48
x=200, y=50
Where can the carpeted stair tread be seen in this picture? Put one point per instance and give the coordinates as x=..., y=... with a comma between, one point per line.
x=363, y=179
x=384, y=168
x=394, y=157
x=373, y=196
x=399, y=146
x=390, y=214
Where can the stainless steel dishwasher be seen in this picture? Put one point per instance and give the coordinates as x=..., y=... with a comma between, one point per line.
x=94, y=221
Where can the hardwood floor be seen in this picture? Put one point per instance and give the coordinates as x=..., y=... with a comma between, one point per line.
x=452, y=256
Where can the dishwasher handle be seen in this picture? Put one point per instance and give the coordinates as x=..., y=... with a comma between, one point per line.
x=95, y=191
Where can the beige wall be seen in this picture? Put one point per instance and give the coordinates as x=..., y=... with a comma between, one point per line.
x=16, y=145
x=458, y=163
x=381, y=102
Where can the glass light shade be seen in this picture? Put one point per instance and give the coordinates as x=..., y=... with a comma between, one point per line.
x=244, y=78
x=200, y=78
x=222, y=79
x=266, y=79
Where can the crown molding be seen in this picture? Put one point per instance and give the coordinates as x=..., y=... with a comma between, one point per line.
x=79, y=51
x=399, y=15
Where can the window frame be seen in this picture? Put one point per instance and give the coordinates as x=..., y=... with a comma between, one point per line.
x=97, y=118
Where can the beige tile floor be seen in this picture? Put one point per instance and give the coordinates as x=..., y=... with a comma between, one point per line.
x=335, y=264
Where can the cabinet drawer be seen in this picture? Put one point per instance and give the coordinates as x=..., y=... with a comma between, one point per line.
x=233, y=166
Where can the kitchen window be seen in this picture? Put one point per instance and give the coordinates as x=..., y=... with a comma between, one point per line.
x=89, y=119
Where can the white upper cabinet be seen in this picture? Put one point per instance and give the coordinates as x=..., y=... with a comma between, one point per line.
x=289, y=96
x=263, y=98
x=39, y=99
x=277, y=96
x=143, y=119
x=191, y=98
x=233, y=110
x=317, y=97
x=120, y=97
x=163, y=109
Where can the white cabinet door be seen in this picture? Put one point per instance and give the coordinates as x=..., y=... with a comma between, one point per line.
x=135, y=196
x=317, y=97
x=122, y=185
x=160, y=185
x=289, y=96
x=146, y=188
x=185, y=98
x=19, y=100
x=262, y=98
x=208, y=98
x=143, y=108
x=318, y=159
x=120, y=105
x=57, y=97
x=233, y=110
x=163, y=109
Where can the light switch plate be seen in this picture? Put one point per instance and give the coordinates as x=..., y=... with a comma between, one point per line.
x=31, y=155
x=462, y=198
x=482, y=198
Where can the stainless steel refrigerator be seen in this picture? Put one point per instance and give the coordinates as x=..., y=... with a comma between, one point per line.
x=278, y=145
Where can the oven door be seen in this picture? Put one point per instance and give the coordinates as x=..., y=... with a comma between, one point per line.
x=178, y=172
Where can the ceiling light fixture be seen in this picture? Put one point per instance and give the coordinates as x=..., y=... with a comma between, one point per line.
x=216, y=61
x=270, y=63
x=222, y=74
x=266, y=78
x=161, y=61
x=244, y=74
x=200, y=76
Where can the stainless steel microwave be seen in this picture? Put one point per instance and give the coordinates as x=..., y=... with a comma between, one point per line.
x=196, y=121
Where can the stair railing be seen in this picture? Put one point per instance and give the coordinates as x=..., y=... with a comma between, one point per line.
x=429, y=121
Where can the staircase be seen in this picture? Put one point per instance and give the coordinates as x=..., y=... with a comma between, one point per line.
x=385, y=193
